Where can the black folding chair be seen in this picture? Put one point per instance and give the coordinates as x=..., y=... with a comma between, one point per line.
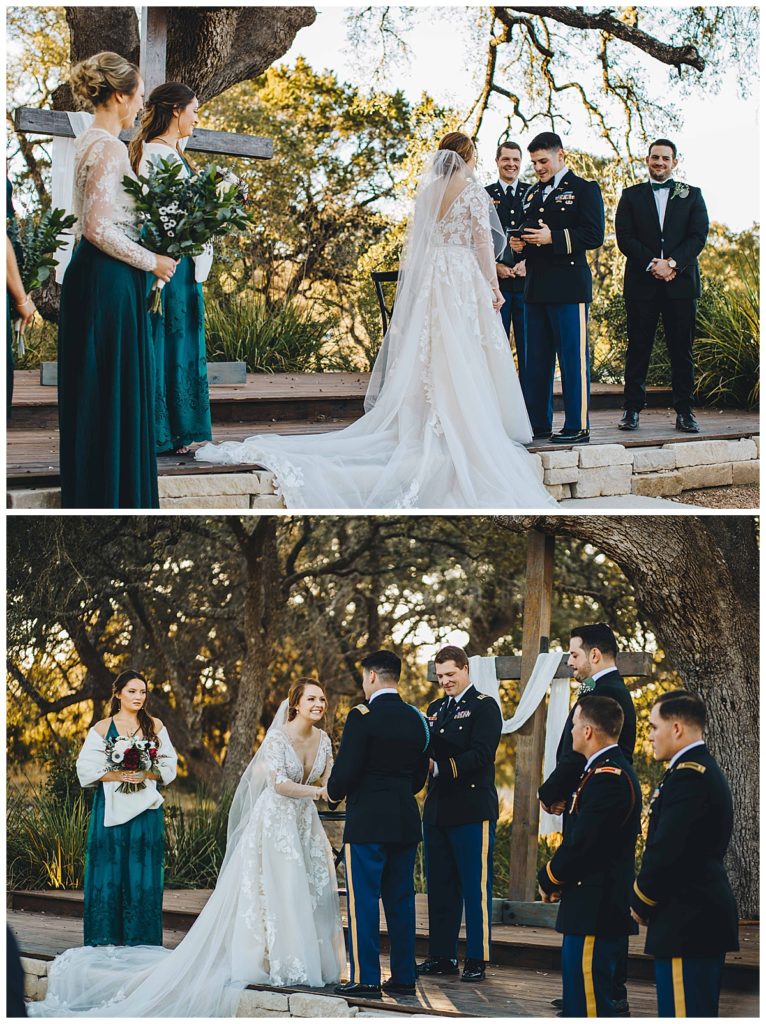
x=379, y=278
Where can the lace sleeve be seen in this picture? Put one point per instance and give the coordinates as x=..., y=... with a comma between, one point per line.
x=481, y=236
x=328, y=758
x=103, y=196
x=275, y=754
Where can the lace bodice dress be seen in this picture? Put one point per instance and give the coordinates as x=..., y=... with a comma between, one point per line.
x=105, y=212
x=447, y=427
x=273, y=918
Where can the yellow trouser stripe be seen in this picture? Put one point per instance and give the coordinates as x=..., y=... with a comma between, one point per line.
x=583, y=368
x=484, y=886
x=355, y=972
x=587, y=975
x=679, y=996
x=642, y=897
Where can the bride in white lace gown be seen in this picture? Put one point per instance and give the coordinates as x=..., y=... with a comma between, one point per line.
x=273, y=917
x=445, y=420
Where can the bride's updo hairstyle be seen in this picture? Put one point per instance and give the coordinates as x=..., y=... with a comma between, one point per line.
x=459, y=143
x=96, y=79
x=145, y=720
x=159, y=109
x=295, y=693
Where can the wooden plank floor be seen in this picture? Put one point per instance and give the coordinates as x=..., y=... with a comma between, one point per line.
x=33, y=452
x=507, y=992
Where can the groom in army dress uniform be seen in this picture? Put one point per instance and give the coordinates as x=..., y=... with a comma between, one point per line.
x=382, y=763
x=563, y=219
x=459, y=818
x=507, y=194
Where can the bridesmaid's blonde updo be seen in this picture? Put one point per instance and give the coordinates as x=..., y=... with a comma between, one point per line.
x=459, y=143
x=97, y=78
x=295, y=693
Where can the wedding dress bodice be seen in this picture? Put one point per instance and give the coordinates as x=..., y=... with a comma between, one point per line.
x=465, y=226
x=105, y=212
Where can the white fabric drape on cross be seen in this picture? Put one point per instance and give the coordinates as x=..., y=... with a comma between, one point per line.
x=62, y=183
x=484, y=677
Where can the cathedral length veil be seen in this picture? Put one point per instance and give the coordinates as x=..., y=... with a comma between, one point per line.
x=445, y=418
x=194, y=979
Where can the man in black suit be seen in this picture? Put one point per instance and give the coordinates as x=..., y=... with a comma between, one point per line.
x=382, y=763
x=592, y=654
x=563, y=219
x=507, y=194
x=592, y=870
x=682, y=891
x=459, y=818
x=661, y=227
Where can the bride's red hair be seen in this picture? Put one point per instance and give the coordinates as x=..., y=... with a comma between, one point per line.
x=295, y=693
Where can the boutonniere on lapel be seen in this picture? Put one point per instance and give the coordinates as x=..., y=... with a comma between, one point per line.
x=680, y=189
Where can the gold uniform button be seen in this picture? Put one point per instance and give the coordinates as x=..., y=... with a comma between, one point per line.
x=571, y=263
x=441, y=730
x=473, y=785
x=542, y=209
x=460, y=727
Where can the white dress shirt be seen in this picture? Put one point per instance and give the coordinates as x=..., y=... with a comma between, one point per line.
x=661, y=196
x=554, y=182
x=386, y=689
x=675, y=757
x=505, y=185
x=603, y=672
x=454, y=700
x=598, y=753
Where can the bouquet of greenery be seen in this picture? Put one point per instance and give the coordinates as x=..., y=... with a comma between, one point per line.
x=179, y=215
x=38, y=239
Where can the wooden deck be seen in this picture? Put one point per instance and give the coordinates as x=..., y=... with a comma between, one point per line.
x=316, y=403
x=521, y=981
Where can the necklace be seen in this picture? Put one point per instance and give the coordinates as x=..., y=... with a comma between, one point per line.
x=160, y=138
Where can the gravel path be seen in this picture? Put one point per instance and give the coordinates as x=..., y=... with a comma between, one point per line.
x=722, y=497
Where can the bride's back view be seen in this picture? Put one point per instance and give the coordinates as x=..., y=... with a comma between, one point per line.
x=445, y=418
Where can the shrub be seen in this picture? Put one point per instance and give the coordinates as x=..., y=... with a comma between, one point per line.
x=46, y=840
x=195, y=841
x=284, y=338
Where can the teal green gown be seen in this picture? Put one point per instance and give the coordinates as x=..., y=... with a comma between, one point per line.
x=181, y=398
x=12, y=230
x=106, y=384
x=124, y=869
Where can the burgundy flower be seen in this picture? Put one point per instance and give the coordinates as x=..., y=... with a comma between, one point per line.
x=132, y=760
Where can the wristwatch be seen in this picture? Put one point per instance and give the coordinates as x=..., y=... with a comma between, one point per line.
x=672, y=264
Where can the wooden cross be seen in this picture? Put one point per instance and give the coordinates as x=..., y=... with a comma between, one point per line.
x=154, y=37
x=530, y=738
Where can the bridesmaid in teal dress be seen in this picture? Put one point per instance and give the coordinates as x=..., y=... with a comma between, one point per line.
x=126, y=837
x=105, y=360
x=16, y=297
x=181, y=398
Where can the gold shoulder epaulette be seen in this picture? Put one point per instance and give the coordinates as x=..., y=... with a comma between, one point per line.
x=361, y=707
x=701, y=768
x=610, y=769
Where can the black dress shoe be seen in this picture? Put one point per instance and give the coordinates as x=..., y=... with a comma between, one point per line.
x=438, y=965
x=353, y=988
x=629, y=420
x=473, y=970
x=540, y=435
x=685, y=421
x=621, y=1008
x=558, y=1003
x=571, y=437
x=398, y=988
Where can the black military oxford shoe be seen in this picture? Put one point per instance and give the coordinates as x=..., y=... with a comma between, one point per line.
x=540, y=435
x=438, y=965
x=629, y=420
x=397, y=988
x=685, y=421
x=473, y=971
x=571, y=437
x=353, y=988
x=558, y=1003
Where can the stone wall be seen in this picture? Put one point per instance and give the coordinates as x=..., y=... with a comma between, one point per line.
x=253, y=1002
x=600, y=470
x=585, y=471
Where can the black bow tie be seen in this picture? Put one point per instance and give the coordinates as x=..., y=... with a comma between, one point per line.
x=657, y=185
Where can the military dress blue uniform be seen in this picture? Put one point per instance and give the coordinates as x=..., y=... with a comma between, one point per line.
x=593, y=870
x=683, y=889
x=508, y=201
x=558, y=291
x=459, y=818
x=382, y=762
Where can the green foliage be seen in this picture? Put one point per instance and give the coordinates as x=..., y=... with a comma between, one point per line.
x=195, y=840
x=40, y=344
x=40, y=237
x=283, y=337
x=45, y=840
